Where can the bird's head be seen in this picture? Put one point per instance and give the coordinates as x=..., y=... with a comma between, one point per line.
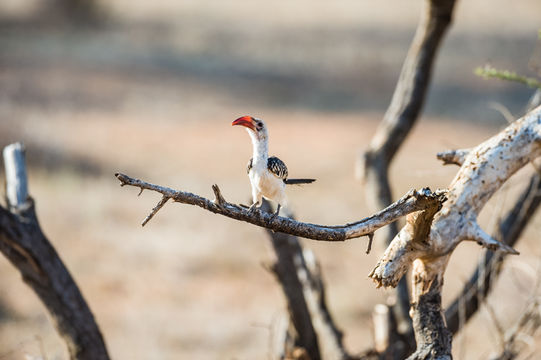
x=256, y=127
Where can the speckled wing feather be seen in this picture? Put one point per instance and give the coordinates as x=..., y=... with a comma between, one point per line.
x=274, y=165
x=277, y=167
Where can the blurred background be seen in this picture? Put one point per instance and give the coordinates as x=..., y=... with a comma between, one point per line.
x=150, y=89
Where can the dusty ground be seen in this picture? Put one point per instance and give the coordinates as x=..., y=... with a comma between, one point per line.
x=153, y=96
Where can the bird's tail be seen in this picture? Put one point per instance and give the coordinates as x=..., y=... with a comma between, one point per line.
x=298, y=181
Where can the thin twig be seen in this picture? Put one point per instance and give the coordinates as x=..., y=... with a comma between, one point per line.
x=155, y=209
x=503, y=110
x=370, y=239
x=497, y=325
x=219, y=199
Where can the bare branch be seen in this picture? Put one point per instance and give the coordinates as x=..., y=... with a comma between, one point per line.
x=331, y=338
x=155, y=209
x=370, y=240
x=16, y=179
x=410, y=92
x=480, y=283
x=219, y=199
x=475, y=233
x=534, y=101
x=287, y=268
x=401, y=115
x=26, y=247
x=432, y=337
x=455, y=157
x=485, y=169
x=300, y=277
x=412, y=201
x=525, y=327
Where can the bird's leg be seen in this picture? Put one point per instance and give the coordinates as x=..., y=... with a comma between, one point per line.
x=276, y=212
x=257, y=199
x=253, y=207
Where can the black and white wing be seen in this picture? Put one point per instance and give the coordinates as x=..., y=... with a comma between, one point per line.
x=277, y=167
x=274, y=165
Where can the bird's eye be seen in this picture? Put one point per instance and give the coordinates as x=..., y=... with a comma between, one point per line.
x=259, y=124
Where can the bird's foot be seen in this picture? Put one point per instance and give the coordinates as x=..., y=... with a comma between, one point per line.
x=275, y=214
x=252, y=209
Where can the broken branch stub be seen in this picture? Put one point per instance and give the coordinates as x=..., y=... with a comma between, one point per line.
x=451, y=157
x=16, y=178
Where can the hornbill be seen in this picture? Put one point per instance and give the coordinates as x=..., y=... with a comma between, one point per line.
x=268, y=175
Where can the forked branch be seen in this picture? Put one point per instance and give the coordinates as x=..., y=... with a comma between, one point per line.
x=401, y=115
x=483, y=172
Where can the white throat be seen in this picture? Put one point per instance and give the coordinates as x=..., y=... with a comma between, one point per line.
x=260, y=151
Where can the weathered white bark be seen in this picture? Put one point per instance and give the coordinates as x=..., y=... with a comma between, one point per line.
x=456, y=157
x=16, y=179
x=485, y=168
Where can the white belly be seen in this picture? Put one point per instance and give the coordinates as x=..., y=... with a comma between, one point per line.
x=269, y=186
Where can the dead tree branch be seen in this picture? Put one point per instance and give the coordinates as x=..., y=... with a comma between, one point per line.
x=535, y=100
x=510, y=230
x=289, y=263
x=27, y=248
x=480, y=283
x=485, y=169
x=411, y=202
x=410, y=91
x=300, y=277
x=402, y=113
x=453, y=157
x=525, y=328
x=332, y=346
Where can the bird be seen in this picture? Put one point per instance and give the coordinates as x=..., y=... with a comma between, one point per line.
x=268, y=175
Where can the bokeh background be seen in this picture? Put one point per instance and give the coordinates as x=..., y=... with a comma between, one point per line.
x=150, y=89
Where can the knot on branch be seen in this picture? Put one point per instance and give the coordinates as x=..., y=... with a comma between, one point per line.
x=411, y=242
x=429, y=200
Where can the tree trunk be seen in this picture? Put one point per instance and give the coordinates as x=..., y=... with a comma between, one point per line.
x=27, y=248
